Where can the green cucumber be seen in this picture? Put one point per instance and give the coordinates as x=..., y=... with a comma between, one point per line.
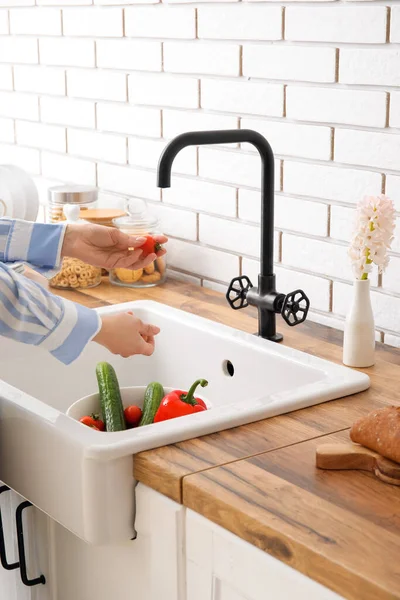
x=152, y=399
x=110, y=397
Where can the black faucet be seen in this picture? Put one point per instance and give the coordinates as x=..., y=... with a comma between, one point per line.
x=294, y=306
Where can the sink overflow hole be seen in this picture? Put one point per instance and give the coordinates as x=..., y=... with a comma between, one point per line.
x=228, y=368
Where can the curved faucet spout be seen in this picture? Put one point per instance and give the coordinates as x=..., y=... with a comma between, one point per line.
x=233, y=136
x=201, y=138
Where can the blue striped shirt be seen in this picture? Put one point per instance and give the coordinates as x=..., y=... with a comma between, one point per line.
x=28, y=312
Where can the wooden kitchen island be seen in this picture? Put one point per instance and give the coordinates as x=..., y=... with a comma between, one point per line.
x=259, y=481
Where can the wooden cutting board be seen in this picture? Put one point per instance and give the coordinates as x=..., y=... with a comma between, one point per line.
x=353, y=456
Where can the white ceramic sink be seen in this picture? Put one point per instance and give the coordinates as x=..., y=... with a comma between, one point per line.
x=77, y=475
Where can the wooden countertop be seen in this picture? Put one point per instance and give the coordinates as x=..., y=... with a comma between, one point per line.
x=259, y=481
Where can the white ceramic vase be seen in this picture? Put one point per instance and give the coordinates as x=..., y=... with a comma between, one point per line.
x=359, y=331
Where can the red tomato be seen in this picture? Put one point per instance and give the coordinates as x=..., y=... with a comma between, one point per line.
x=132, y=414
x=93, y=421
x=150, y=246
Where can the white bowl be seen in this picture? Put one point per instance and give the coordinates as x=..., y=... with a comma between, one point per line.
x=130, y=395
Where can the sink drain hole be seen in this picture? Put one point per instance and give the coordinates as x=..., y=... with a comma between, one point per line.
x=228, y=368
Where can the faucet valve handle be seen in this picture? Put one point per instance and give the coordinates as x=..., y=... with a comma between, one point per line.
x=237, y=292
x=295, y=308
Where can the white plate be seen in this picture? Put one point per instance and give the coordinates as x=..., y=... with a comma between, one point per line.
x=6, y=198
x=26, y=195
x=16, y=199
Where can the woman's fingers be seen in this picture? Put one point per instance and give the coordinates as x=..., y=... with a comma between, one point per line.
x=139, y=264
x=147, y=348
x=148, y=330
x=137, y=241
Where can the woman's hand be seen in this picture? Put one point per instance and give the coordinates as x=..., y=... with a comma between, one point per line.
x=126, y=335
x=107, y=247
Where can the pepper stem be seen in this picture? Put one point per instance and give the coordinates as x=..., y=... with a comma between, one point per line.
x=189, y=397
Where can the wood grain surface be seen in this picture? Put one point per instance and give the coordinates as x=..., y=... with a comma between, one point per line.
x=340, y=528
x=260, y=481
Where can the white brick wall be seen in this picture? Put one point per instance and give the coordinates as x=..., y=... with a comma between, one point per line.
x=19, y=50
x=160, y=22
x=37, y=135
x=38, y=21
x=6, y=80
x=67, y=51
x=65, y=111
x=104, y=85
x=100, y=146
x=6, y=130
x=40, y=80
x=164, y=90
x=333, y=105
x=299, y=63
x=354, y=24
x=242, y=97
x=129, y=55
x=209, y=59
x=3, y=22
x=91, y=90
x=240, y=22
x=97, y=22
x=126, y=119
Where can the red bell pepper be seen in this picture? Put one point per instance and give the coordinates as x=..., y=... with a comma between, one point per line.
x=179, y=403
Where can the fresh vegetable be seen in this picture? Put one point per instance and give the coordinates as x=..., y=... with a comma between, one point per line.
x=93, y=421
x=110, y=397
x=132, y=414
x=150, y=246
x=179, y=403
x=152, y=398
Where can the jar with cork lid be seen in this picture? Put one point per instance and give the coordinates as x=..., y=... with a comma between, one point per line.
x=139, y=222
x=67, y=203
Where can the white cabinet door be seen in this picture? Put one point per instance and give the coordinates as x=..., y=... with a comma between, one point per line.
x=36, y=550
x=221, y=566
x=148, y=568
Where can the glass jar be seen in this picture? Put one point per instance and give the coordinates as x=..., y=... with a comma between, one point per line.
x=66, y=203
x=60, y=195
x=139, y=222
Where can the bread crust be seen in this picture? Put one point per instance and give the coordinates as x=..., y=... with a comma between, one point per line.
x=379, y=431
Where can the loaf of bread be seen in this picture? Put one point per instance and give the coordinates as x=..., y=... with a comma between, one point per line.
x=379, y=431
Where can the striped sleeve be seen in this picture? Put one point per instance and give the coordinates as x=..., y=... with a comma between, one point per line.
x=38, y=244
x=32, y=315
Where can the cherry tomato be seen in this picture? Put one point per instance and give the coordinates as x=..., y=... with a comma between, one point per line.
x=93, y=421
x=132, y=414
x=150, y=246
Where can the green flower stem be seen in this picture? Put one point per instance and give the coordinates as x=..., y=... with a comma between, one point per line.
x=364, y=276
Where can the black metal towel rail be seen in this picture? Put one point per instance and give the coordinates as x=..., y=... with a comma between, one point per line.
x=3, y=556
x=21, y=548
